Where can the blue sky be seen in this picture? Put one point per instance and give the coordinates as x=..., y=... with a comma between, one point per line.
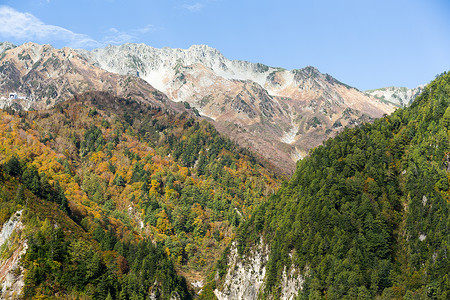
x=364, y=43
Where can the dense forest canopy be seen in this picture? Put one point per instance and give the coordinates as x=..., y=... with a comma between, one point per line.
x=367, y=213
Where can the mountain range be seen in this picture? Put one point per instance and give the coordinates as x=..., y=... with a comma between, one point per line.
x=43, y=76
x=279, y=114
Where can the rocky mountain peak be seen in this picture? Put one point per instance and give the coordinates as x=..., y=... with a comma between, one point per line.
x=310, y=70
x=41, y=75
x=278, y=113
x=272, y=107
x=205, y=49
x=6, y=46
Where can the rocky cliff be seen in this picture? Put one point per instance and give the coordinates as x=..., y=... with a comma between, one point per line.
x=245, y=276
x=11, y=276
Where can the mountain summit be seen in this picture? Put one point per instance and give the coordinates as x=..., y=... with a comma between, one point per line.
x=278, y=113
x=41, y=76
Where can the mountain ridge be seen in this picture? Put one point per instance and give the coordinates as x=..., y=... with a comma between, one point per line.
x=44, y=76
x=262, y=107
x=279, y=114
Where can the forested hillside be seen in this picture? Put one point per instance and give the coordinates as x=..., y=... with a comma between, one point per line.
x=136, y=181
x=366, y=215
x=60, y=259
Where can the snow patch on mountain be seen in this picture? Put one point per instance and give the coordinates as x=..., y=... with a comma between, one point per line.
x=157, y=78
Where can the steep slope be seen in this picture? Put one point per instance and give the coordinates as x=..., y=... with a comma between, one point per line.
x=45, y=254
x=43, y=76
x=5, y=46
x=400, y=96
x=135, y=170
x=279, y=114
x=364, y=216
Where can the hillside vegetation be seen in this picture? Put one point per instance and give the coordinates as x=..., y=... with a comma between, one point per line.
x=135, y=179
x=64, y=261
x=366, y=215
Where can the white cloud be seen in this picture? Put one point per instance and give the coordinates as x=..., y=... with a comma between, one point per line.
x=194, y=7
x=197, y=6
x=26, y=27
x=117, y=37
x=145, y=29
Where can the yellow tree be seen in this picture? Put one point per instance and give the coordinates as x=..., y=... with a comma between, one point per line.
x=163, y=223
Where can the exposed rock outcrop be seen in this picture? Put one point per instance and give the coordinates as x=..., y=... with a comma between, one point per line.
x=400, y=96
x=245, y=276
x=11, y=276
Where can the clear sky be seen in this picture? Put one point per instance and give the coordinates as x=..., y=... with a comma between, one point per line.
x=364, y=43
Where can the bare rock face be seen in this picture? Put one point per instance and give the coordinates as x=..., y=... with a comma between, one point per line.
x=11, y=277
x=5, y=46
x=399, y=96
x=36, y=76
x=280, y=114
x=245, y=278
